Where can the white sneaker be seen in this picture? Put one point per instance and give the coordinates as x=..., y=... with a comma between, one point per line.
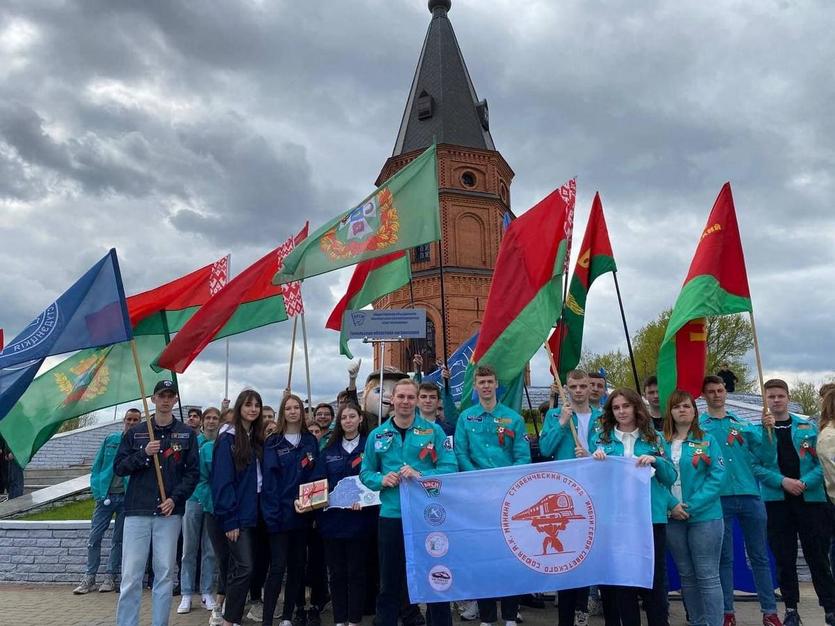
x=285, y=622
x=470, y=612
x=581, y=618
x=510, y=623
x=217, y=617
x=208, y=601
x=185, y=605
x=256, y=612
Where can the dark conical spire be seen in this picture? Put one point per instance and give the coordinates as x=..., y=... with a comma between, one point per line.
x=442, y=104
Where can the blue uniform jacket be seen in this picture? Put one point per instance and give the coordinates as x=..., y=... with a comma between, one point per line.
x=744, y=449
x=234, y=493
x=179, y=461
x=805, y=440
x=702, y=479
x=101, y=474
x=556, y=440
x=285, y=467
x=203, y=491
x=335, y=464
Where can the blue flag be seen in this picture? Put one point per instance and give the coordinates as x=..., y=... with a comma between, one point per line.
x=90, y=314
x=457, y=364
x=527, y=528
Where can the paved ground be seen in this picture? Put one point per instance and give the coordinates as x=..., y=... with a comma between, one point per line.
x=55, y=605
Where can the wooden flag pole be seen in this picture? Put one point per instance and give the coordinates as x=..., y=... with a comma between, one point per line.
x=292, y=352
x=226, y=373
x=306, y=364
x=760, y=371
x=563, y=398
x=157, y=468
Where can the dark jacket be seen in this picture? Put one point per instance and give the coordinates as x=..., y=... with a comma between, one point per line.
x=284, y=468
x=235, y=493
x=335, y=464
x=179, y=460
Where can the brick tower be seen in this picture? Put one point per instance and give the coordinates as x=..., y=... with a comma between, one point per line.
x=474, y=181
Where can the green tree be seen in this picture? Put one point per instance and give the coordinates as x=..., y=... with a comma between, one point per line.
x=805, y=393
x=616, y=364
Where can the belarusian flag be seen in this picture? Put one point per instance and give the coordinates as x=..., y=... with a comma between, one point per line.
x=98, y=378
x=595, y=258
x=372, y=279
x=248, y=301
x=402, y=213
x=717, y=284
x=526, y=293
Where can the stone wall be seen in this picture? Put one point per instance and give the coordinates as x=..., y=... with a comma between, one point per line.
x=47, y=552
x=76, y=447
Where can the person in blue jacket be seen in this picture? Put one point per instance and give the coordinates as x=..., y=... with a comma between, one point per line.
x=236, y=490
x=696, y=526
x=290, y=456
x=346, y=532
x=626, y=429
x=108, y=494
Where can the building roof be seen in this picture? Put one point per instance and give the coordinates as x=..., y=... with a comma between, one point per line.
x=442, y=104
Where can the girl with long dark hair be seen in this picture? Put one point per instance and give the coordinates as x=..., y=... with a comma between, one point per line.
x=236, y=489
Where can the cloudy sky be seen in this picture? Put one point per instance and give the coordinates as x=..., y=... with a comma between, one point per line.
x=181, y=131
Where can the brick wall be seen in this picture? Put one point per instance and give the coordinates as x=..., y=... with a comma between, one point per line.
x=76, y=447
x=47, y=552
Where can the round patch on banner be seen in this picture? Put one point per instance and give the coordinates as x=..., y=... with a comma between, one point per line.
x=434, y=514
x=440, y=578
x=548, y=522
x=437, y=544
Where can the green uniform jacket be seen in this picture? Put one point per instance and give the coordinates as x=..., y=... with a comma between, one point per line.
x=203, y=490
x=700, y=483
x=101, y=475
x=556, y=440
x=491, y=439
x=742, y=450
x=805, y=438
x=665, y=473
x=422, y=449
x=202, y=440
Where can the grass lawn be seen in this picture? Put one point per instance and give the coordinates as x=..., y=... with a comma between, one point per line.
x=77, y=510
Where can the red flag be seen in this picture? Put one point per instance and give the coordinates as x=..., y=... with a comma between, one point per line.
x=254, y=284
x=1, y=340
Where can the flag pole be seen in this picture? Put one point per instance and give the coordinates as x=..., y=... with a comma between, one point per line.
x=157, y=468
x=226, y=374
x=292, y=351
x=626, y=332
x=443, y=299
x=563, y=399
x=306, y=364
x=759, y=369
x=167, y=333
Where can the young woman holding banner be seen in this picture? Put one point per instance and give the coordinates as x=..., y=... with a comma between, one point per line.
x=626, y=429
x=696, y=527
x=290, y=456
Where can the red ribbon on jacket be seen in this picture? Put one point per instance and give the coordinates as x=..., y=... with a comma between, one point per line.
x=307, y=459
x=356, y=461
x=735, y=435
x=700, y=455
x=172, y=452
x=429, y=450
x=503, y=432
x=805, y=448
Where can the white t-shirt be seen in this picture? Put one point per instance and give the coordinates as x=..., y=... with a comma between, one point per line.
x=294, y=439
x=675, y=454
x=583, y=420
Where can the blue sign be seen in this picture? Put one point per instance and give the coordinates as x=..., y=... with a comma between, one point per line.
x=527, y=529
x=457, y=364
x=385, y=324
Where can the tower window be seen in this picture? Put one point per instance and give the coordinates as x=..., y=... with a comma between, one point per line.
x=421, y=253
x=468, y=179
x=425, y=106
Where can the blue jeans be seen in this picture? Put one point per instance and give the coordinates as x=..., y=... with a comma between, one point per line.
x=696, y=548
x=750, y=512
x=196, y=535
x=139, y=529
x=102, y=515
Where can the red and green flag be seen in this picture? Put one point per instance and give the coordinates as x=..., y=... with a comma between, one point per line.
x=717, y=284
x=248, y=301
x=526, y=292
x=402, y=213
x=371, y=280
x=596, y=258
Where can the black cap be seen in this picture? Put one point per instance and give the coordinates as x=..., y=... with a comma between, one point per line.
x=165, y=385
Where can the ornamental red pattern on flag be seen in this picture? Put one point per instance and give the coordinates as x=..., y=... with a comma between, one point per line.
x=219, y=276
x=292, y=292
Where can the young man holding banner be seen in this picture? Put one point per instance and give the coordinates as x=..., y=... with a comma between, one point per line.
x=402, y=448
x=488, y=435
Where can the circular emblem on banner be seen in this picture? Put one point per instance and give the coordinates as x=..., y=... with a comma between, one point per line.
x=437, y=544
x=440, y=578
x=548, y=522
x=434, y=514
x=37, y=332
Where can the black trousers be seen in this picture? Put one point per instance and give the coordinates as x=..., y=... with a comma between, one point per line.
x=487, y=609
x=655, y=599
x=218, y=539
x=346, y=562
x=392, y=556
x=788, y=519
x=241, y=563
x=620, y=605
x=315, y=574
x=262, y=563
x=286, y=553
x=569, y=601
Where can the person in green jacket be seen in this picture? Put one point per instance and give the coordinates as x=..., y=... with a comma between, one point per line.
x=490, y=434
x=743, y=452
x=795, y=500
x=108, y=494
x=696, y=526
x=401, y=448
x=626, y=429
